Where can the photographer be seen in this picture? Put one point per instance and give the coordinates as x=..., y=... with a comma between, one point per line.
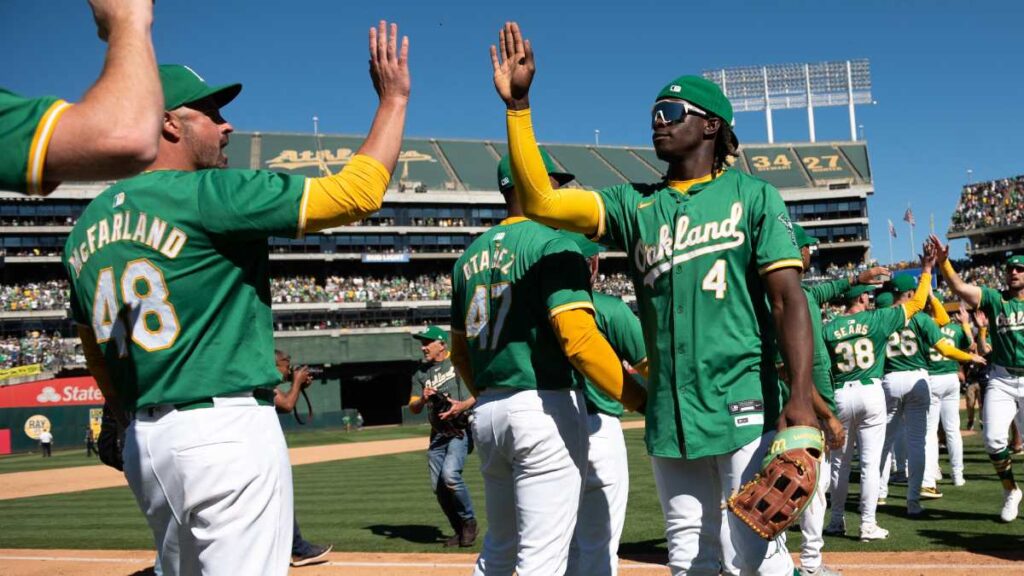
x=303, y=552
x=448, y=402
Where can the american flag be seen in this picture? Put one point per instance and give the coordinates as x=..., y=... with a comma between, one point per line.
x=908, y=216
x=892, y=229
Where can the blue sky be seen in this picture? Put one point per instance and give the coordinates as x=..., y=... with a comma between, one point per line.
x=946, y=75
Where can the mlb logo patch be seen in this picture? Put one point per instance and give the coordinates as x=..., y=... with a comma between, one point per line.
x=675, y=88
x=118, y=199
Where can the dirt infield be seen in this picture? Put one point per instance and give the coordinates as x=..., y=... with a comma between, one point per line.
x=139, y=563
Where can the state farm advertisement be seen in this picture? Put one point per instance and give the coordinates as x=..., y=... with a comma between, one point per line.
x=80, y=391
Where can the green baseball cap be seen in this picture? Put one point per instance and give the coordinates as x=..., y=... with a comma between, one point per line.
x=432, y=333
x=700, y=92
x=802, y=237
x=183, y=86
x=858, y=290
x=505, y=171
x=901, y=283
x=1015, y=260
x=884, y=300
x=588, y=248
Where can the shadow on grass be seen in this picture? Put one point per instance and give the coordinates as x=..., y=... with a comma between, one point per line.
x=650, y=551
x=985, y=543
x=416, y=533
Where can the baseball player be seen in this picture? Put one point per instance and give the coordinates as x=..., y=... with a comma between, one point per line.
x=595, y=543
x=907, y=393
x=855, y=341
x=304, y=553
x=1004, y=393
x=976, y=374
x=446, y=456
x=812, y=522
x=170, y=290
x=944, y=378
x=709, y=247
x=113, y=132
x=522, y=325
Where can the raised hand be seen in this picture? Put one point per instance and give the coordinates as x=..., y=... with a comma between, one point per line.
x=514, y=66
x=111, y=15
x=980, y=318
x=929, y=257
x=874, y=276
x=941, y=251
x=389, y=64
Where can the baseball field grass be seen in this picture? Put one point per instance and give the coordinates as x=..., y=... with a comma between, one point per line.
x=27, y=462
x=384, y=504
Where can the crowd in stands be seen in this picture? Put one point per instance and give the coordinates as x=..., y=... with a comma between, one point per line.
x=988, y=204
x=50, y=350
x=361, y=289
x=49, y=295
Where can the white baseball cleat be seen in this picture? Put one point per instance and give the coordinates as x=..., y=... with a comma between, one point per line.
x=819, y=571
x=1011, y=504
x=958, y=480
x=869, y=532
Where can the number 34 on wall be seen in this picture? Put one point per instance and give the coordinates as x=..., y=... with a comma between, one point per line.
x=824, y=163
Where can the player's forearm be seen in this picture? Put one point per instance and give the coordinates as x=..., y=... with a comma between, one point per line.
x=592, y=355
x=793, y=325
x=983, y=346
x=348, y=196
x=821, y=409
x=460, y=360
x=384, y=142
x=569, y=208
x=947, y=349
x=97, y=366
x=115, y=130
x=825, y=291
x=939, y=313
x=916, y=304
x=969, y=293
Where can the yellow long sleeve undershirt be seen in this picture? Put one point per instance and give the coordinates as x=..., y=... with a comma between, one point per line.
x=566, y=208
x=947, y=349
x=916, y=304
x=348, y=196
x=939, y=313
x=589, y=352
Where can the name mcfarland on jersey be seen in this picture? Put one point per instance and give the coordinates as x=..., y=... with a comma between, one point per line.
x=126, y=226
x=653, y=260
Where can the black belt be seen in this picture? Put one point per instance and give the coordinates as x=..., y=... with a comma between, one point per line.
x=263, y=396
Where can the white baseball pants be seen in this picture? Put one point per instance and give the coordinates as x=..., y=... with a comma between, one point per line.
x=595, y=544
x=215, y=485
x=812, y=521
x=691, y=494
x=533, y=457
x=1004, y=403
x=907, y=396
x=944, y=407
x=862, y=412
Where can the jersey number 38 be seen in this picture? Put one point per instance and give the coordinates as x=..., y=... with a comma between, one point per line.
x=143, y=308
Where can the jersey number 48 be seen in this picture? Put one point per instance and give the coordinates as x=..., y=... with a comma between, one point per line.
x=146, y=310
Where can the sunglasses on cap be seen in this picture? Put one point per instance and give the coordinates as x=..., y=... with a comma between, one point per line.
x=669, y=112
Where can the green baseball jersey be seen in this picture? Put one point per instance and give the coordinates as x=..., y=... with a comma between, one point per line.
x=441, y=378
x=856, y=343
x=506, y=287
x=939, y=364
x=907, y=348
x=822, y=371
x=622, y=329
x=696, y=260
x=169, y=269
x=27, y=125
x=1006, y=317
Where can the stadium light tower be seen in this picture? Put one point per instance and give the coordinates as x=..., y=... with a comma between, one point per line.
x=786, y=86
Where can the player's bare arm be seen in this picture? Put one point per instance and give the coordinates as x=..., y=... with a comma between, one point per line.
x=97, y=366
x=969, y=293
x=115, y=130
x=874, y=276
x=793, y=326
x=565, y=208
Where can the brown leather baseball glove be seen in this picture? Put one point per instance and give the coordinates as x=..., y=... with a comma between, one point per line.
x=778, y=494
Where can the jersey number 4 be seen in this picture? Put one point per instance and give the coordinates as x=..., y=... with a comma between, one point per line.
x=478, y=317
x=145, y=309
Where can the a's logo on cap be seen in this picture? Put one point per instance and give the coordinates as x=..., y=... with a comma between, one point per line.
x=194, y=73
x=675, y=88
